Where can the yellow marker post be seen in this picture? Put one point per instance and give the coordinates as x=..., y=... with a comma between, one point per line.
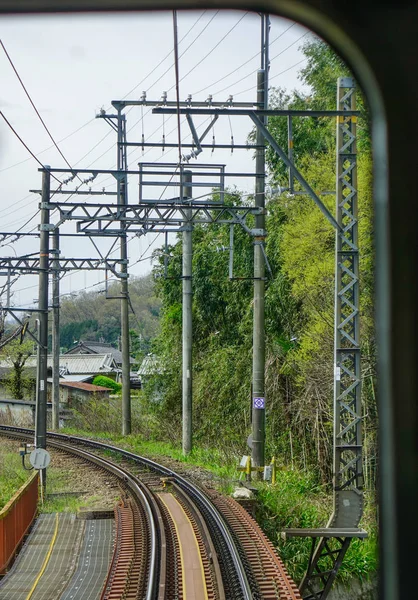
x=248, y=469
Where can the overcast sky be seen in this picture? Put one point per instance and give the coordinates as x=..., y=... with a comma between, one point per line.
x=73, y=66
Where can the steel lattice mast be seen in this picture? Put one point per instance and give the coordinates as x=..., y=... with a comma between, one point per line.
x=348, y=472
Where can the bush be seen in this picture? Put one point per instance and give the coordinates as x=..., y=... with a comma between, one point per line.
x=107, y=383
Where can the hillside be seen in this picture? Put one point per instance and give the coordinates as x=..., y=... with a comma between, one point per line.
x=90, y=316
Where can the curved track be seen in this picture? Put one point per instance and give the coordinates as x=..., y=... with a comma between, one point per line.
x=237, y=561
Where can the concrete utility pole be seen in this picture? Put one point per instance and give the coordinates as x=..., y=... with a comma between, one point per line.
x=42, y=372
x=56, y=331
x=186, y=190
x=258, y=387
x=122, y=190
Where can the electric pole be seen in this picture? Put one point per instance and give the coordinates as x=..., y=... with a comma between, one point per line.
x=258, y=387
x=187, y=389
x=55, y=331
x=42, y=372
x=122, y=191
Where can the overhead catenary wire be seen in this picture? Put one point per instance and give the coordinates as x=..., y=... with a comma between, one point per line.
x=188, y=47
x=228, y=87
x=150, y=72
x=170, y=53
x=33, y=104
x=214, y=47
x=274, y=76
x=21, y=162
x=256, y=55
x=125, y=96
x=24, y=144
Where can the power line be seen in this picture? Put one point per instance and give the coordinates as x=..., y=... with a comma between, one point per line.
x=243, y=64
x=23, y=143
x=228, y=87
x=216, y=45
x=21, y=162
x=107, y=134
x=290, y=46
x=274, y=76
x=9, y=212
x=195, y=67
x=33, y=104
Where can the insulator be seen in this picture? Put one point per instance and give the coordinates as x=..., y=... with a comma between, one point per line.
x=232, y=143
x=144, y=96
x=163, y=142
x=164, y=97
x=209, y=100
x=230, y=99
x=90, y=189
x=189, y=99
x=143, y=141
x=213, y=142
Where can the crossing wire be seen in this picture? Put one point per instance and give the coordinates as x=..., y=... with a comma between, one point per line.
x=244, y=63
x=255, y=70
x=23, y=143
x=21, y=162
x=154, y=84
x=33, y=104
x=274, y=76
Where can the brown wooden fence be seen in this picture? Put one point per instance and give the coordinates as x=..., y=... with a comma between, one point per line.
x=16, y=518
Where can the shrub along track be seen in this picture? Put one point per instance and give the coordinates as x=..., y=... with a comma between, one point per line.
x=237, y=561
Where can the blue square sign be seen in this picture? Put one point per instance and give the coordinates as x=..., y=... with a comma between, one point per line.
x=258, y=402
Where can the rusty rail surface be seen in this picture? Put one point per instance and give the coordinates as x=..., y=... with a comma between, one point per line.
x=15, y=519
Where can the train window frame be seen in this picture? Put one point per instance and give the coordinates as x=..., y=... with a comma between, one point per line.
x=335, y=22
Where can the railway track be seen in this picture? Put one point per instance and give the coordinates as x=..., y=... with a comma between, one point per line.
x=162, y=519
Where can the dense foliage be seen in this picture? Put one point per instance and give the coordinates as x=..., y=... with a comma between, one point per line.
x=12, y=476
x=107, y=382
x=299, y=301
x=16, y=353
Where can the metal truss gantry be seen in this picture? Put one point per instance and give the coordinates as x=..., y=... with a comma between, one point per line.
x=151, y=217
x=31, y=264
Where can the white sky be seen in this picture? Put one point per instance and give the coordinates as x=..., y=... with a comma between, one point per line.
x=73, y=65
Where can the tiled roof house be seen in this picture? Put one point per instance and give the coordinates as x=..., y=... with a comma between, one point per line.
x=92, y=347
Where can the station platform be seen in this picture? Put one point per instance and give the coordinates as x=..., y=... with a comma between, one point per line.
x=61, y=556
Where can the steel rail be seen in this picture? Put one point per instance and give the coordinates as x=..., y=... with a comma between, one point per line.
x=246, y=590
x=128, y=479
x=135, y=485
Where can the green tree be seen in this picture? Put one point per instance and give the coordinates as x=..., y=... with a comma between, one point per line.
x=16, y=354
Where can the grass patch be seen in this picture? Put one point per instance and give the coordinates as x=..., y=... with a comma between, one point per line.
x=12, y=475
x=296, y=500
x=223, y=465
x=61, y=497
